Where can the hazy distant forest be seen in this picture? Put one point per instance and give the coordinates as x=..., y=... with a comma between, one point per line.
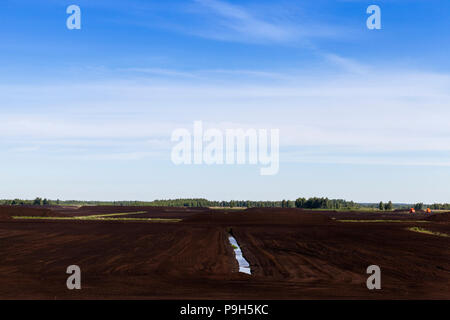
x=311, y=203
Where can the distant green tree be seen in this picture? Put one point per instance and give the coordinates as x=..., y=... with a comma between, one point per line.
x=389, y=206
x=419, y=206
x=299, y=203
x=381, y=206
x=37, y=201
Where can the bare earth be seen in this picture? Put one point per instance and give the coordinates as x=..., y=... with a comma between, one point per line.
x=293, y=254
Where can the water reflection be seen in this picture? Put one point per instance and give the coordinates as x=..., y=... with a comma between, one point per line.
x=244, y=266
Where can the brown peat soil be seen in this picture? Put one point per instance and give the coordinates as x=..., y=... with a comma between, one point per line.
x=293, y=254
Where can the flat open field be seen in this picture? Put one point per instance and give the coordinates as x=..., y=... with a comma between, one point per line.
x=293, y=254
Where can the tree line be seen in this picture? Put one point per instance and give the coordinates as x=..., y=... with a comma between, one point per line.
x=325, y=203
x=440, y=206
x=385, y=206
x=311, y=203
x=304, y=203
x=36, y=202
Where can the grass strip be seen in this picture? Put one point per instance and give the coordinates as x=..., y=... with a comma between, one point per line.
x=97, y=219
x=422, y=230
x=398, y=221
x=94, y=216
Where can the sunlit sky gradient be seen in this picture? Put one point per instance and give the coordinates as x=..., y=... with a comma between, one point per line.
x=363, y=114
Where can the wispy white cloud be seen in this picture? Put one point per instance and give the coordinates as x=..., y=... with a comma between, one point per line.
x=348, y=117
x=230, y=22
x=233, y=21
x=346, y=64
x=397, y=159
x=205, y=74
x=161, y=72
x=25, y=149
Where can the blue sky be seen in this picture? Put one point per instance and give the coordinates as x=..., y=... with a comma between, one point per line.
x=88, y=114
